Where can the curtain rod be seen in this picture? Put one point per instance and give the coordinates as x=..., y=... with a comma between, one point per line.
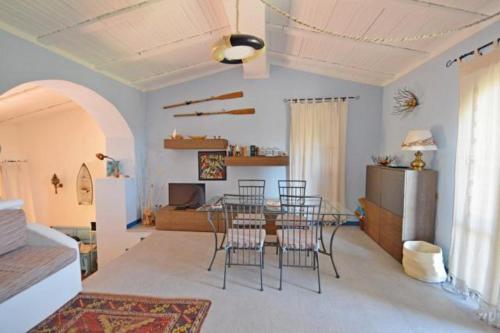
x=315, y=99
x=14, y=161
x=478, y=51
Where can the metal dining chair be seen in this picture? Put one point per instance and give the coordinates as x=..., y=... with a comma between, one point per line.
x=299, y=235
x=291, y=191
x=292, y=188
x=253, y=188
x=245, y=233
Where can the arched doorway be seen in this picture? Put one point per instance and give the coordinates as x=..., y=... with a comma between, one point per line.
x=119, y=138
x=116, y=210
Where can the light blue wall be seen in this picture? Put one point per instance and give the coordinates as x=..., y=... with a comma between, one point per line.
x=269, y=127
x=438, y=89
x=22, y=61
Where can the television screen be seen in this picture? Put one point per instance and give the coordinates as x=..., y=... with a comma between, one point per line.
x=186, y=195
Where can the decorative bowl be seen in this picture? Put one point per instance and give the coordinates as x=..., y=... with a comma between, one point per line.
x=383, y=160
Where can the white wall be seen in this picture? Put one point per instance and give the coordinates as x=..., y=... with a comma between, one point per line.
x=438, y=89
x=10, y=144
x=56, y=142
x=268, y=127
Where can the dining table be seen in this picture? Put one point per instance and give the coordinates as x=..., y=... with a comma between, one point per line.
x=332, y=214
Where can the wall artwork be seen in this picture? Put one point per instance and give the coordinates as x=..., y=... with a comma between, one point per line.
x=211, y=165
x=84, y=186
x=405, y=101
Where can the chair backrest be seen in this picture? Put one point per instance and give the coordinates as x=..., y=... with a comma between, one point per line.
x=251, y=187
x=300, y=225
x=291, y=190
x=244, y=221
x=243, y=216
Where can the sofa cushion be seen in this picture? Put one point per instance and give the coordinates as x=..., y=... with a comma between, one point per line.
x=22, y=268
x=12, y=230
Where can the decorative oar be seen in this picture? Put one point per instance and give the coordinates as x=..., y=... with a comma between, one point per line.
x=236, y=94
x=235, y=112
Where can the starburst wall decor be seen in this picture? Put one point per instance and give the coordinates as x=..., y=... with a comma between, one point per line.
x=405, y=102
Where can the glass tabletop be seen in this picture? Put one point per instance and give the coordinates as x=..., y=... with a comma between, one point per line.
x=272, y=206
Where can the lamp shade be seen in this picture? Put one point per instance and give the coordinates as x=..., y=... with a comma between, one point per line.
x=419, y=140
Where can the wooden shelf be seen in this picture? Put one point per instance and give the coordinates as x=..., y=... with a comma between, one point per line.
x=257, y=161
x=195, y=144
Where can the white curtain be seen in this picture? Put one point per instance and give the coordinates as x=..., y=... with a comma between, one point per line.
x=317, y=147
x=15, y=184
x=475, y=249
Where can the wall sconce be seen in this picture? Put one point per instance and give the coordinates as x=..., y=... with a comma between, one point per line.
x=115, y=163
x=56, y=182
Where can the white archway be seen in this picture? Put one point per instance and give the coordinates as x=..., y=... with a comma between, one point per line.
x=120, y=142
x=116, y=200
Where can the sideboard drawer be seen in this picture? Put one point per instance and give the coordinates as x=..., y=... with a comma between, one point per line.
x=391, y=229
x=372, y=224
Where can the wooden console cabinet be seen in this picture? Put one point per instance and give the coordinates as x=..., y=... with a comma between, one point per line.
x=400, y=205
x=168, y=218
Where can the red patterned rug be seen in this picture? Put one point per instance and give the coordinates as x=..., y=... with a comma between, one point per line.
x=90, y=312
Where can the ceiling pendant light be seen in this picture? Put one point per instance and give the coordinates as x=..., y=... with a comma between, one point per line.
x=238, y=48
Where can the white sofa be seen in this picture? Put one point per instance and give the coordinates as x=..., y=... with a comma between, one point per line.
x=27, y=308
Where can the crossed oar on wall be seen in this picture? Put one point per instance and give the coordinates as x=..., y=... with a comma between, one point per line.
x=235, y=112
x=232, y=95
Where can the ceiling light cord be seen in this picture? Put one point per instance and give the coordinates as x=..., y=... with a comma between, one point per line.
x=378, y=39
x=237, y=16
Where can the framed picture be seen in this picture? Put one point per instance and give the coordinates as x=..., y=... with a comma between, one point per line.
x=211, y=165
x=112, y=168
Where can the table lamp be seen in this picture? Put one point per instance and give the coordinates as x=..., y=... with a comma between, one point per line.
x=418, y=140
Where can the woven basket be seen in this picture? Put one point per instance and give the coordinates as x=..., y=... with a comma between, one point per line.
x=423, y=261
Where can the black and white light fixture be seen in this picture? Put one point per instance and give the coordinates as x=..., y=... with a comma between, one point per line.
x=238, y=48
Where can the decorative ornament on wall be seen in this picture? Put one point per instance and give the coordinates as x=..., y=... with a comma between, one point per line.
x=405, y=101
x=56, y=182
x=84, y=186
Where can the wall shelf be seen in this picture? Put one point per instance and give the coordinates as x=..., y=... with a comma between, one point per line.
x=195, y=144
x=257, y=161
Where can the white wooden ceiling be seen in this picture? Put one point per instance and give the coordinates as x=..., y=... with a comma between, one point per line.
x=30, y=100
x=154, y=43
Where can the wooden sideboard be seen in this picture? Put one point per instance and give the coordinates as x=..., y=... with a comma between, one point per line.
x=168, y=218
x=400, y=205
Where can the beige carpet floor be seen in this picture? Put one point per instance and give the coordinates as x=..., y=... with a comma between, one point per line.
x=372, y=295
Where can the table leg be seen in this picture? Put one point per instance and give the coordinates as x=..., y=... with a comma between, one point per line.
x=331, y=250
x=216, y=243
x=321, y=234
x=221, y=247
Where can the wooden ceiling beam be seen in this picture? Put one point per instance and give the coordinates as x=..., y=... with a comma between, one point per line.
x=196, y=67
x=99, y=18
x=434, y=5
x=164, y=48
